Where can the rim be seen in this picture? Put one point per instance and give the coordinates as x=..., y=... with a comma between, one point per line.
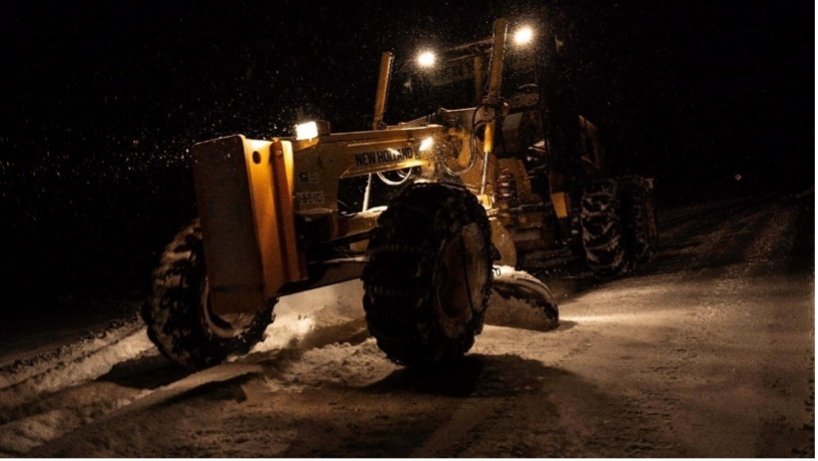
x=226, y=325
x=460, y=277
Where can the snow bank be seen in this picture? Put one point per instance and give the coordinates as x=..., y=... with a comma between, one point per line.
x=343, y=364
x=54, y=417
x=320, y=336
x=312, y=314
x=71, y=365
x=516, y=313
x=49, y=395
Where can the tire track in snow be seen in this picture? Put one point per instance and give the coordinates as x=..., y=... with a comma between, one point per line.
x=23, y=370
x=56, y=393
x=88, y=362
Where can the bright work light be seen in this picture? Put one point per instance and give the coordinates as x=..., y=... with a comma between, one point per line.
x=306, y=130
x=426, y=59
x=523, y=35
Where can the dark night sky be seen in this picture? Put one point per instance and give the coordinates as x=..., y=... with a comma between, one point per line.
x=101, y=100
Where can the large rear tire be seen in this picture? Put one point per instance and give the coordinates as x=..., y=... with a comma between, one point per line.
x=178, y=315
x=603, y=235
x=639, y=215
x=428, y=280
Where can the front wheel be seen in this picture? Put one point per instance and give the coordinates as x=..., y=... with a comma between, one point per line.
x=428, y=279
x=179, y=317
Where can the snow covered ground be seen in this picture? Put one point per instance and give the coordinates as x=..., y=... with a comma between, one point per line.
x=708, y=352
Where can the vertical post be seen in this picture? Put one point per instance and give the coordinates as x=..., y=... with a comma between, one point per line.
x=496, y=66
x=380, y=107
x=492, y=99
x=478, y=78
x=367, y=192
x=383, y=87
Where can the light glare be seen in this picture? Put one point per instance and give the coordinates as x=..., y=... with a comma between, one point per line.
x=426, y=144
x=426, y=59
x=523, y=35
x=306, y=130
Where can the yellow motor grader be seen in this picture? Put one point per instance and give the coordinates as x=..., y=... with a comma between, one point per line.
x=271, y=224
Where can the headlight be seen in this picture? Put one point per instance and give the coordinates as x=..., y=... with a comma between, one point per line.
x=523, y=35
x=426, y=59
x=307, y=130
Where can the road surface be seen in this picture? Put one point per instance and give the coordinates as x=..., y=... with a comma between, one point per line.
x=709, y=352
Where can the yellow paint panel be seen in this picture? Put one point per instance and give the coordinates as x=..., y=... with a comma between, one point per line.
x=504, y=242
x=294, y=263
x=560, y=205
x=266, y=213
x=227, y=210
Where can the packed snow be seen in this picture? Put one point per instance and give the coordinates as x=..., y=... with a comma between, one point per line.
x=696, y=356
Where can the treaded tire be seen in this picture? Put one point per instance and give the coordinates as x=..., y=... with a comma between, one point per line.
x=603, y=235
x=419, y=315
x=639, y=216
x=177, y=315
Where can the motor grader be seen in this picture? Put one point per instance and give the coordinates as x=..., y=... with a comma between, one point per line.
x=271, y=223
